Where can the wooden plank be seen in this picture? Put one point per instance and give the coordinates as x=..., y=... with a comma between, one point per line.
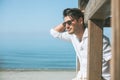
x=107, y=22
x=97, y=9
x=82, y=4
x=95, y=33
x=115, y=40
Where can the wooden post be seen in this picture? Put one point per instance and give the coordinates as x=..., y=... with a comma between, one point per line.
x=115, y=68
x=95, y=12
x=95, y=42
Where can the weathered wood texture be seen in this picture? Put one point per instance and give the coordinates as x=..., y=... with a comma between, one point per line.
x=82, y=4
x=115, y=39
x=95, y=33
x=97, y=9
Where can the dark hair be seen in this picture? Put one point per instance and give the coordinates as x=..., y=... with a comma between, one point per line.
x=75, y=13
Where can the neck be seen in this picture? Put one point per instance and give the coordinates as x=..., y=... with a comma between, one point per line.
x=79, y=33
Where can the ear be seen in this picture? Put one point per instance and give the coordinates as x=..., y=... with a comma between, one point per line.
x=80, y=20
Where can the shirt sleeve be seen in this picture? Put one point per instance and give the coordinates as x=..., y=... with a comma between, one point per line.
x=61, y=35
x=106, y=49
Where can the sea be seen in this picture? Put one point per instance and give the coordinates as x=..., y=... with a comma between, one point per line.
x=43, y=60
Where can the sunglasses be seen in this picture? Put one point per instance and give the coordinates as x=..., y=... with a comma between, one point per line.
x=69, y=22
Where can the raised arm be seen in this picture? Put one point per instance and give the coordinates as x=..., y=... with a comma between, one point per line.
x=59, y=32
x=59, y=28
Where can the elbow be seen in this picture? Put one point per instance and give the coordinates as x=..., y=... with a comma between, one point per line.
x=54, y=33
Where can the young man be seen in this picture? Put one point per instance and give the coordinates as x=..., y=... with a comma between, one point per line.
x=74, y=31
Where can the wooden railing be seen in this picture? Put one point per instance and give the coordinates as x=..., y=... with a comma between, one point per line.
x=96, y=11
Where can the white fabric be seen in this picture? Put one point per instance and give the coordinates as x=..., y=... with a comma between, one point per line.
x=81, y=52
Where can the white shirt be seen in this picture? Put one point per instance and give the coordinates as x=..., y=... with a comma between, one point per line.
x=81, y=52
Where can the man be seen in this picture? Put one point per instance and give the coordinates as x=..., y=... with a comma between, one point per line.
x=74, y=31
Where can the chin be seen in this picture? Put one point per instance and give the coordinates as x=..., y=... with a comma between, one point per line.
x=71, y=32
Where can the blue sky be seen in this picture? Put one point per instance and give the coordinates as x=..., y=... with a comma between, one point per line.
x=25, y=24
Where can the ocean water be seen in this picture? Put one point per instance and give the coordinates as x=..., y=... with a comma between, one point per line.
x=38, y=60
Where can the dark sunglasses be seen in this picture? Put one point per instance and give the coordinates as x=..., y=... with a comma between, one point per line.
x=68, y=22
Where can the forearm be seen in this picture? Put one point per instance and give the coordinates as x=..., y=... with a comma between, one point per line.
x=59, y=28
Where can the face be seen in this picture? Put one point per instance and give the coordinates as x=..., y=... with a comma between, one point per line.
x=70, y=24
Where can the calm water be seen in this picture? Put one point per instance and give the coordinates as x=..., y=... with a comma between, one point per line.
x=37, y=60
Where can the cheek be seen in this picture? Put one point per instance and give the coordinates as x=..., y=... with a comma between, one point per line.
x=73, y=28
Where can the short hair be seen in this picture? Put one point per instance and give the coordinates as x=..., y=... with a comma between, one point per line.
x=75, y=13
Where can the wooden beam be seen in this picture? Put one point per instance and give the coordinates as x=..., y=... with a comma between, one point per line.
x=115, y=40
x=97, y=9
x=82, y=4
x=107, y=22
x=95, y=33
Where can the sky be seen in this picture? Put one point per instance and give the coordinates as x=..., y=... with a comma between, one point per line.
x=25, y=24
